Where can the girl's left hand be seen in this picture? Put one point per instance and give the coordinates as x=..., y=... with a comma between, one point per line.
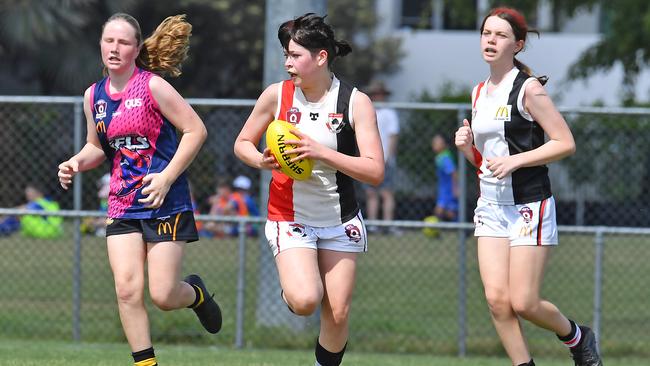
x=306, y=147
x=156, y=188
x=502, y=166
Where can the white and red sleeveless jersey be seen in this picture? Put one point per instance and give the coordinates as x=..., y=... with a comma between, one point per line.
x=501, y=127
x=327, y=198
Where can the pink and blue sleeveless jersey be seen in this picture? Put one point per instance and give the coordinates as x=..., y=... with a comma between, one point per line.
x=137, y=141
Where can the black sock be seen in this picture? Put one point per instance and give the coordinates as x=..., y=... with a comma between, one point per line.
x=327, y=358
x=146, y=357
x=199, y=297
x=529, y=363
x=573, y=338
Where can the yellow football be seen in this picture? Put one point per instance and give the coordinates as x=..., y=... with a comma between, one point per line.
x=276, y=134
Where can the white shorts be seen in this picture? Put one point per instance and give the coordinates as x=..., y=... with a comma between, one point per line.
x=347, y=237
x=527, y=224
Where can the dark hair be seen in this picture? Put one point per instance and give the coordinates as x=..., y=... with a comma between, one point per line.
x=311, y=32
x=520, y=29
x=165, y=50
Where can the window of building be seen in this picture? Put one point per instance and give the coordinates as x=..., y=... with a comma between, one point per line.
x=439, y=14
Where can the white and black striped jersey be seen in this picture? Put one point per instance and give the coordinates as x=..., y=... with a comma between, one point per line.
x=327, y=198
x=502, y=127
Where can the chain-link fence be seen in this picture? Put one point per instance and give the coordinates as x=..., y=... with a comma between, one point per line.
x=415, y=292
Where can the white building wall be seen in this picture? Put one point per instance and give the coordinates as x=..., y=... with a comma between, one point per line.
x=433, y=58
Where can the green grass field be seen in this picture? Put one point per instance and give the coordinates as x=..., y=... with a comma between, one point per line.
x=405, y=298
x=22, y=353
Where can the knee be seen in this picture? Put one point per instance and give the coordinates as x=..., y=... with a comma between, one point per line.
x=162, y=298
x=525, y=306
x=498, y=302
x=339, y=314
x=305, y=303
x=129, y=292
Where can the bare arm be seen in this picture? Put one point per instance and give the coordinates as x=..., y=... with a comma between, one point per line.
x=250, y=135
x=89, y=157
x=559, y=145
x=184, y=118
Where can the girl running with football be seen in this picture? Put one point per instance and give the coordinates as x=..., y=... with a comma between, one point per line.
x=314, y=226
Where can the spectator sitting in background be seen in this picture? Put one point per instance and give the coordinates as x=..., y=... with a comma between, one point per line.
x=35, y=226
x=221, y=204
x=97, y=225
x=243, y=203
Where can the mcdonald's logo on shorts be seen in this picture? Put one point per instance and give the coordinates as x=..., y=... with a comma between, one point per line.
x=101, y=127
x=525, y=231
x=503, y=113
x=164, y=228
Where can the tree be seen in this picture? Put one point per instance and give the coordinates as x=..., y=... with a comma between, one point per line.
x=355, y=22
x=625, y=40
x=51, y=46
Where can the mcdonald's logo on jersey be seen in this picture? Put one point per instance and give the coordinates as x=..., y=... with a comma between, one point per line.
x=503, y=113
x=101, y=127
x=164, y=228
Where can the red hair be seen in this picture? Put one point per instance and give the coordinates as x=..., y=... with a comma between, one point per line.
x=520, y=30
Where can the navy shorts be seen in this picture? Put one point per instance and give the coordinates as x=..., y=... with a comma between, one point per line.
x=176, y=227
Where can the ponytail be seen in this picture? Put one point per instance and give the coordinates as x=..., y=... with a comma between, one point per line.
x=165, y=50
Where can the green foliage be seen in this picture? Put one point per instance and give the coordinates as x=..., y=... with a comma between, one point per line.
x=51, y=47
x=355, y=22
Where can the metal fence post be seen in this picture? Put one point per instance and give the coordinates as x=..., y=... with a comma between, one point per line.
x=241, y=286
x=462, y=251
x=599, y=244
x=76, y=267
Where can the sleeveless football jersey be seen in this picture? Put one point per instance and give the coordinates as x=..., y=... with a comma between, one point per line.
x=502, y=127
x=327, y=198
x=137, y=140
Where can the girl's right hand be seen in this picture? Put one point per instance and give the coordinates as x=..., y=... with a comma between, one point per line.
x=268, y=160
x=464, y=137
x=67, y=170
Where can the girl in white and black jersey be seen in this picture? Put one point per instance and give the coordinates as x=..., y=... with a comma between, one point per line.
x=515, y=214
x=314, y=227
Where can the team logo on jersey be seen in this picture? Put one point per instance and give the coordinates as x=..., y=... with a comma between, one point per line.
x=296, y=230
x=133, y=103
x=353, y=232
x=130, y=143
x=133, y=168
x=100, y=109
x=503, y=113
x=313, y=116
x=293, y=115
x=335, y=122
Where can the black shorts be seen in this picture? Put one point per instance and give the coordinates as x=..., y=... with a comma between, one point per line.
x=176, y=227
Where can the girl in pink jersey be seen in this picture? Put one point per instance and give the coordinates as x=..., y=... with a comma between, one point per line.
x=515, y=215
x=314, y=226
x=132, y=117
